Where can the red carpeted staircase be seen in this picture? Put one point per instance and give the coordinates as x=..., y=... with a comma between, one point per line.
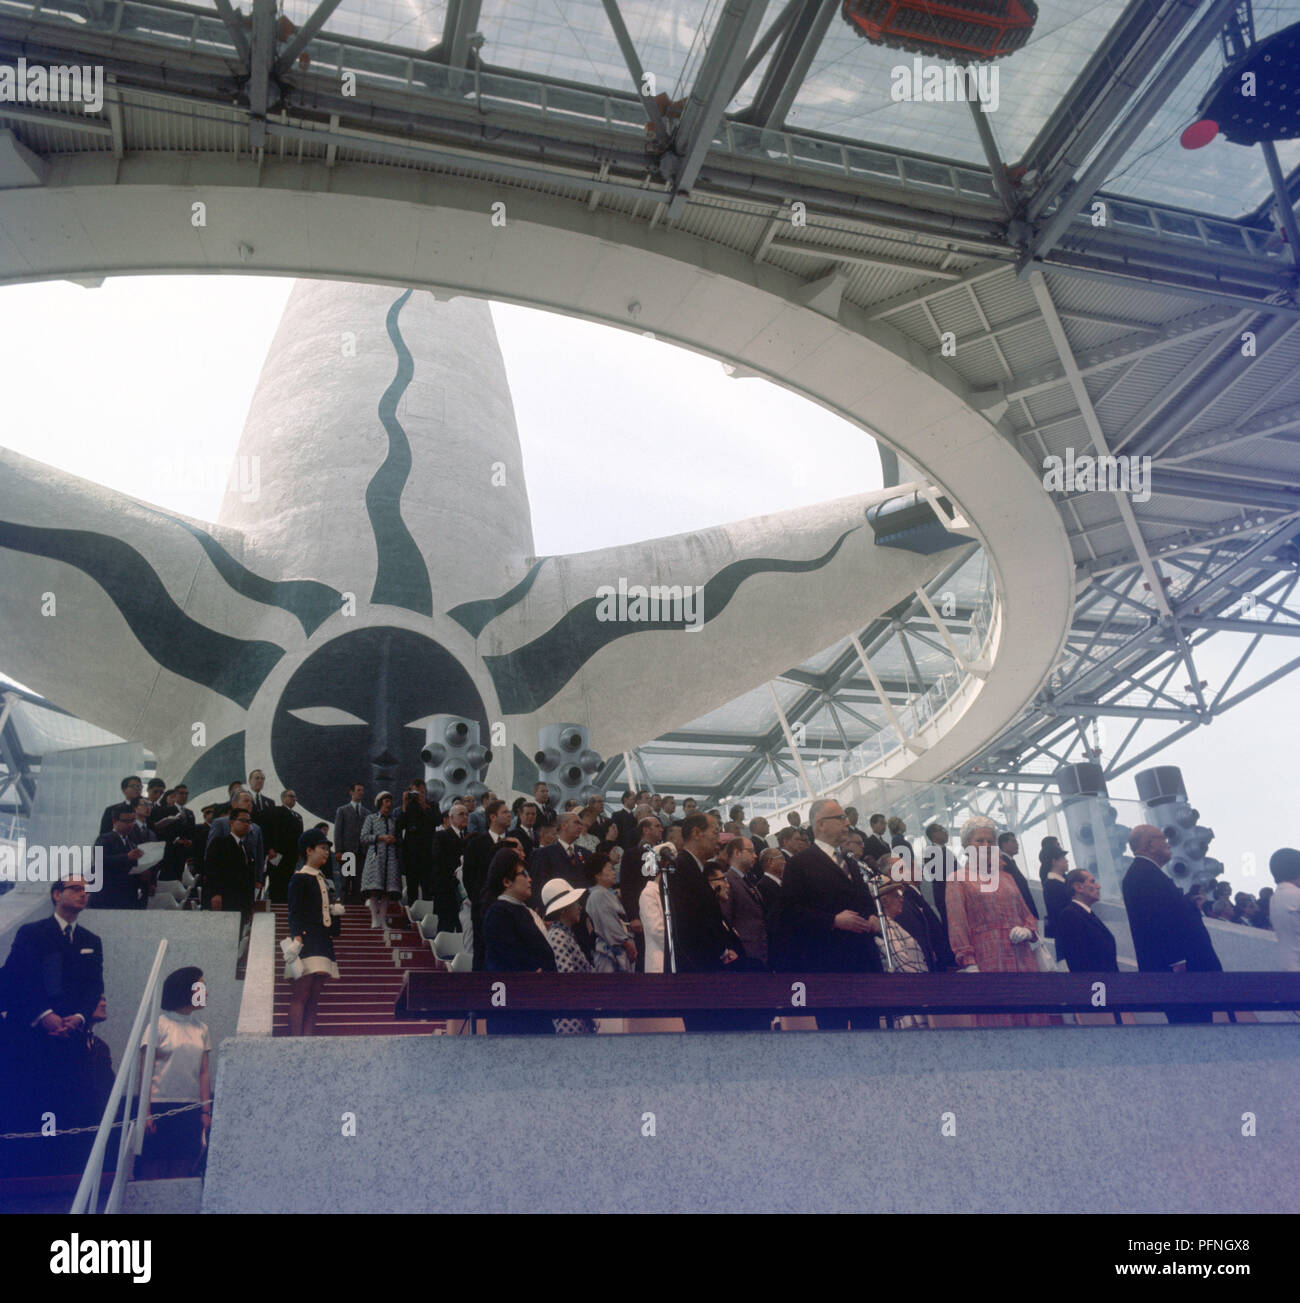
x=371, y=965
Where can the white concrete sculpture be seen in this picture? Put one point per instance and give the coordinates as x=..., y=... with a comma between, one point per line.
x=384, y=573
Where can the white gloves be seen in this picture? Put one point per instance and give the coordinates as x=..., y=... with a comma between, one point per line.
x=337, y=910
x=970, y=968
x=291, y=947
x=1019, y=934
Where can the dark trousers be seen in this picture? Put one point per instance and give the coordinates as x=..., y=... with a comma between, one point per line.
x=446, y=905
x=476, y=912
x=419, y=882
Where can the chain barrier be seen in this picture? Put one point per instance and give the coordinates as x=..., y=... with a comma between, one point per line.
x=94, y=1126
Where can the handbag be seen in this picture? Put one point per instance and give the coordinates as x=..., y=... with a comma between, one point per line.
x=1046, y=964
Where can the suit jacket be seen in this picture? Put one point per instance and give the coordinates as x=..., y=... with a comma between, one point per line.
x=110, y=814
x=876, y=846
x=286, y=828
x=553, y=862
x=926, y=928
x=221, y=828
x=513, y=942
x=1056, y=896
x=44, y=972
x=448, y=852
x=140, y=835
x=697, y=931
x=1010, y=866
x=813, y=891
x=479, y=851
x=119, y=889
x=526, y=839
x=1165, y=924
x=631, y=881
x=627, y=833
x=228, y=871
x=744, y=913
x=1084, y=941
x=264, y=816
x=347, y=832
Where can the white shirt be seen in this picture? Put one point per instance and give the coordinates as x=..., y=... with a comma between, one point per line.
x=183, y=1041
x=1082, y=904
x=1284, y=915
x=773, y=878
x=828, y=849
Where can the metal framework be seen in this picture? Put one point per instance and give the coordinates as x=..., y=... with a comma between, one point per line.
x=1164, y=333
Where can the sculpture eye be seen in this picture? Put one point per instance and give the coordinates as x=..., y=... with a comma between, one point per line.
x=325, y=716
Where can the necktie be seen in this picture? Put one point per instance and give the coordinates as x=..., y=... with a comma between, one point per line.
x=67, y=934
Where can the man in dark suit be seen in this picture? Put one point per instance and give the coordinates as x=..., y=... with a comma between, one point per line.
x=231, y=870
x=479, y=851
x=827, y=915
x=742, y=908
x=562, y=859
x=542, y=800
x=221, y=825
x=53, y=981
x=132, y=787
x=348, y=822
x=173, y=821
x=285, y=827
x=263, y=808
x=697, y=940
x=1082, y=939
x=120, y=888
x=140, y=831
x=876, y=843
x=1168, y=932
x=626, y=821
x=448, y=851
x=1010, y=848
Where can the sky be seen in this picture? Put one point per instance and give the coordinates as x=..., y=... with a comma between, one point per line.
x=656, y=440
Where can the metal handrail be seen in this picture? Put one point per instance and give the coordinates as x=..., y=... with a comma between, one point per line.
x=132, y=1132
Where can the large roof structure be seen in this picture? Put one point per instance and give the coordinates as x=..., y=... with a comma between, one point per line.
x=1087, y=284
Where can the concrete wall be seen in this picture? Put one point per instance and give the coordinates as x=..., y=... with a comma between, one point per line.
x=130, y=937
x=1070, y=1120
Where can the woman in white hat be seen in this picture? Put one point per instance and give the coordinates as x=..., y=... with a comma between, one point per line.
x=562, y=905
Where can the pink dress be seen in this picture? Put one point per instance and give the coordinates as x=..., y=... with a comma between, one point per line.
x=979, y=927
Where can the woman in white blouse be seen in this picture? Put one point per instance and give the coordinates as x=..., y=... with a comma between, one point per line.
x=181, y=1075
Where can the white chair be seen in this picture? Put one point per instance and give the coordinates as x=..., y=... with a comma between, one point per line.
x=178, y=889
x=421, y=909
x=463, y=963
x=446, y=945
x=429, y=926
x=164, y=900
x=187, y=878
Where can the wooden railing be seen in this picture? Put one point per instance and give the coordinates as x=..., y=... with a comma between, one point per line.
x=646, y=995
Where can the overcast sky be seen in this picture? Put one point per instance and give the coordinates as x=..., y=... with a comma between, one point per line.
x=624, y=438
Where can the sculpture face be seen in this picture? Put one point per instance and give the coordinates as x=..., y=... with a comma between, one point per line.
x=354, y=711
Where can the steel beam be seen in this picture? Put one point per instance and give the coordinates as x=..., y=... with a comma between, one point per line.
x=237, y=34
x=261, y=59
x=1134, y=122
x=633, y=61
x=732, y=36
x=800, y=41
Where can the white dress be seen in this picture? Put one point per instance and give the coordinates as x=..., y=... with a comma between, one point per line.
x=651, y=910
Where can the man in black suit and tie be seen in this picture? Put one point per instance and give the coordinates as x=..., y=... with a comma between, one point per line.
x=479, y=851
x=232, y=868
x=285, y=828
x=243, y=800
x=876, y=845
x=263, y=808
x=542, y=800
x=626, y=821
x=348, y=822
x=827, y=915
x=120, y=888
x=1082, y=939
x=1010, y=848
x=697, y=940
x=132, y=787
x=1169, y=933
x=140, y=831
x=449, y=846
x=53, y=981
x=564, y=858
x=174, y=823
